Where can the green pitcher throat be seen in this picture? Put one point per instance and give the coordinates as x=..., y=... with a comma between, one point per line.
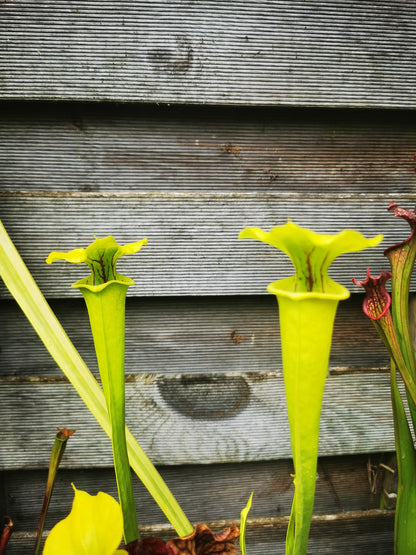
x=307, y=303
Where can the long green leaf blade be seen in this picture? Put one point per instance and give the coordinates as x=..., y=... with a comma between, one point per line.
x=405, y=518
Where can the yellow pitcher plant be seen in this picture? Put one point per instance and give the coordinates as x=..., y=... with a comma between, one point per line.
x=307, y=305
x=104, y=291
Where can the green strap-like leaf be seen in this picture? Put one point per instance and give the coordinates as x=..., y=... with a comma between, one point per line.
x=405, y=518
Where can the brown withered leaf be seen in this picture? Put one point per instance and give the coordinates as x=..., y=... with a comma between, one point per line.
x=203, y=541
x=147, y=546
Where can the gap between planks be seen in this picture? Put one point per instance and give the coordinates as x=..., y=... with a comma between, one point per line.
x=152, y=376
x=257, y=523
x=214, y=195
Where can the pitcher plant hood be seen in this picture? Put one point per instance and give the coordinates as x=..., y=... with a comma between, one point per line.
x=377, y=299
x=101, y=257
x=410, y=217
x=311, y=254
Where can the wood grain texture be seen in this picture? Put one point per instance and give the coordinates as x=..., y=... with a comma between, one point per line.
x=203, y=418
x=343, y=491
x=205, y=392
x=318, y=53
x=221, y=490
x=193, y=237
x=189, y=335
x=130, y=148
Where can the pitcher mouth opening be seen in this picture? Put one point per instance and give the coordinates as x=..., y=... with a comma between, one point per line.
x=84, y=283
x=288, y=288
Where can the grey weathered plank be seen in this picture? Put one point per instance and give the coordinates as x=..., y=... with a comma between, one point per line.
x=357, y=533
x=317, y=53
x=220, y=490
x=193, y=237
x=183, y=335
x=188, y=419
x=126, y=148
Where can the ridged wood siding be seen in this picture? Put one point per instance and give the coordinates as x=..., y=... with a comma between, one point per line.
x=119, y=148
x=317, y=53
x=185, y=122
x=193, y=238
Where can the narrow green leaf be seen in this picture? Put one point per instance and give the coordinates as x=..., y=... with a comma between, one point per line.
x=405, y=517
x=243, y=525
x=290, y=534
x=21, y=285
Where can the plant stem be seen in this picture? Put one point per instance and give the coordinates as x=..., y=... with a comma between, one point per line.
x=306, y=331
x=387, y=332
x=106, y=310
x=57, y=453
x=405, y=517
x=402, y=259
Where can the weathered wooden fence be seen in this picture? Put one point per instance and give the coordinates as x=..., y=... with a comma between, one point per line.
x=184, y=122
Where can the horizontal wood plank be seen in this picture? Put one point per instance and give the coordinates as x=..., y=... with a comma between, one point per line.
x=191, y=419
x=357, y=533
x=206, y=492
x=189, y=335
x=317, y=53
x=193, y=237
x=344, y=494
x=127, y=148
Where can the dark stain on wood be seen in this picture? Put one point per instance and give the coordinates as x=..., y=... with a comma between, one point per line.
x=205, y=397
x=177, y=60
